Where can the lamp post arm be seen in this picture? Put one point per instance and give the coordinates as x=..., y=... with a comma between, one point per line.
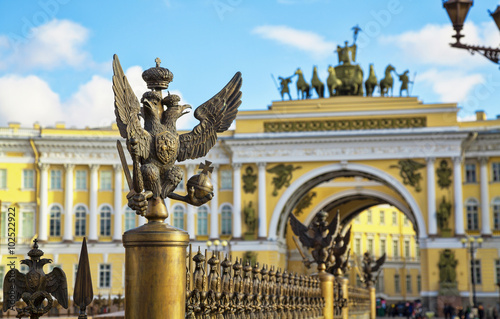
x=492, y=54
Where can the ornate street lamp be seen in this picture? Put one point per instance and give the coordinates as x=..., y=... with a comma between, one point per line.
x=457, y=11
x=472, y=248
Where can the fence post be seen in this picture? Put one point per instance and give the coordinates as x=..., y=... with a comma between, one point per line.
x=326, y=282
x=345, y=294
x=155, y=271
x=373, y=303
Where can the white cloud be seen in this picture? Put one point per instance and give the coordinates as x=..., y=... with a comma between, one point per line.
x=57, y=43
x=306, y=41
x=451, y=86
x=430, y=45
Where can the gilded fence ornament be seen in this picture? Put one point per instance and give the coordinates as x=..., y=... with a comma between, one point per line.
x=156, y=147
x=283, y=176
x=239, y=293
x=408, y=172
x=371, y=266
x=444, y=174
x=36, y=289
x=249, y=180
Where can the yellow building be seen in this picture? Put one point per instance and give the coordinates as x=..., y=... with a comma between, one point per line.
x=345, y=153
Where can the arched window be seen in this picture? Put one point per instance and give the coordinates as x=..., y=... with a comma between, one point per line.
x=55, y=221
x=472, y=214
x=80, y=220
x=178, y=217
x=202, y=220
x=226, y=220
x=496, y=213
x=129, y=218
x=106, y=220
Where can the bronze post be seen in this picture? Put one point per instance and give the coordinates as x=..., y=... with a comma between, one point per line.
x=326, y=284
x=155, y=271
x=345, y=294
x=373, y=303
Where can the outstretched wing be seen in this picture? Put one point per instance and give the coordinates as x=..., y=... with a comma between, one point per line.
x=379, y=263
x=215, y=116
x=278, y=169
x=127, y=110
x=58, y=286
x=300, y=230
x=333, y=228
x=14, y=281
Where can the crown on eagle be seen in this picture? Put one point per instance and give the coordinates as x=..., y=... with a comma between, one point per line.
x=157, y=78
x=35, y=253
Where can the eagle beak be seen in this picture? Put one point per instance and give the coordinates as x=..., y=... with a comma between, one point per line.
x=185, y=109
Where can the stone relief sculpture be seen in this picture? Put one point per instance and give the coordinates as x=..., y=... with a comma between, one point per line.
x=304, y=202
x=408, y=172
x=444, y=174
x=283, y=176
x=249, y=180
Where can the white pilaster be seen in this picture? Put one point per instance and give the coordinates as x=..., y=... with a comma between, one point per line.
x=68, y=202
x=94, y=169
x=262, y=200
x=214, y=204
x=458, y=200
x=431, y=197
x=117, y=234
x=44, y=201
x=236, y=200
x=168, y=220
x=190, y=208
x=485, y=198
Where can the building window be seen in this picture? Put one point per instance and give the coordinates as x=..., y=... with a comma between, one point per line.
x=357, y=245
x=226, y=179
x=382, y=247
x=55, y=221
x=496, y=213
x=397, y=284
x=497, y=271
x=382, y=217
x=477, y=271
x=408, y=284
x=202, y=221
x=369, y=217
x=472, y=214
x=3, y=178
x=56, y=179
x=81, y=180
x=379, y=286
x=179, y=217
x=417, y=250
x=495, y=168
x=419, y=283
x=80, y=220
x=105, y=276
x=28, y=179
x=370, y=245
x=24, y=269
x=394, y=218
x=405, y=220
x=106, y=180
x=357, y=219
x=129, y=218
x=395, y=248
x=226, y=220
x=470, y=173
x=407, y=248
x=28, y=225
x=106, y=221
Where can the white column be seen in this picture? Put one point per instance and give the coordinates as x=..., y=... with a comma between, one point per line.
x=214, y=204
x=190, y=208
x=68, y=202
x=168, y=220
x=431, y=197
x=142, y=221
x=485, y=198
x=237, y=200
x=94, y=169
x=117, y=234
x=44, y=201
x=457, y=192
x=262, y=200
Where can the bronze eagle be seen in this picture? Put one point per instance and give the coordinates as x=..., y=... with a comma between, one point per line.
x=35, y=286
x=156, y=147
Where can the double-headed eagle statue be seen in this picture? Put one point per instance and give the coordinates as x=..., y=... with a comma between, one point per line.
x=35, y=288
x=156, y=147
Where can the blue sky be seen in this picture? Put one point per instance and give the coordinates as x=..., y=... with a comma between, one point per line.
x=55, y=55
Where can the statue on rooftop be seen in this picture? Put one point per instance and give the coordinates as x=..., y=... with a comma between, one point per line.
x=284, y=89
x=404, y=83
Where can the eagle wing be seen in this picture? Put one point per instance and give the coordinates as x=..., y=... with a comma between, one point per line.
x=16, y=281
x=215, y=116
x=333, y=228
x=127, y=110
x=301, y=231
x=379, y=263
x=58, y=286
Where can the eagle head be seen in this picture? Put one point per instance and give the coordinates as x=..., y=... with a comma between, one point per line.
x=174, y=110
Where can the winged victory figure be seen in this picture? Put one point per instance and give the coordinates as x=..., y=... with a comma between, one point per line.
x=35, y=287
x=156, y=147
x=318, y=236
